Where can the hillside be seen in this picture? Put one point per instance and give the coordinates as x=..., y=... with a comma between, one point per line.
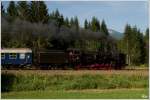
x=115, y=34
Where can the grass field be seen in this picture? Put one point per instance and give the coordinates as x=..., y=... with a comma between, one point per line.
x=74, y=84
x=82, y=94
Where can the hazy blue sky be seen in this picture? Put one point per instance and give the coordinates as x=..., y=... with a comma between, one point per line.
x=116, y=13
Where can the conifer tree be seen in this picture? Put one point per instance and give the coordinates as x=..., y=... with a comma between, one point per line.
x=23, y=10
x=12, y=9
x=133, y=45
x=146, y=40
x=60, y=21
x=104, y=28
x=136, y=48
x=57, y=14
x=67, y=22
x=39, y=12
x=86, y=24
x=33, y=11
x=95, y=26
x=76, y=22
x=71, y=21
x=126, y=42
x=89, y=25
x=43, y=12
x=2, y=9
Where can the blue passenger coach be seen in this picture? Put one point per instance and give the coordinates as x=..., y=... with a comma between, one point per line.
x=16, y=56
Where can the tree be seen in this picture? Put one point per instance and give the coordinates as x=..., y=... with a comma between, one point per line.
x=43, y=12
x=95, y=26
x=67, y=22
x=126, y=42
x=146, y=40
x=133, y=45
x=142, y=47
x=104, y=28
x=59, y=18
x=76, y=22
x=23, y=10
x=60, y=21
x=33, y=12
x=86, y=24
x=12, y=9
x=137, y=49
x=89, y=25
x=71, y=21
x=39, y=12
x=2, y=9
x=57, y=14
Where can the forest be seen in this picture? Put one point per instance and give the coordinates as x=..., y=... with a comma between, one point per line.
x=30, y=25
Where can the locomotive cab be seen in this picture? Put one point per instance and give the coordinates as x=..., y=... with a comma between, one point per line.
x=73, y=56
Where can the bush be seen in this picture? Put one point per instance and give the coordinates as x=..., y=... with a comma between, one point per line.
x=7, y=81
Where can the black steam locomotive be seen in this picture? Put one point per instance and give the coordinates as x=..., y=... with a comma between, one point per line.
x=61, y=59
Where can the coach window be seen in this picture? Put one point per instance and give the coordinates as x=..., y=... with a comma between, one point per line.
x=28, y=56
x=12, y=55
x=2, y=55
x=22, y=56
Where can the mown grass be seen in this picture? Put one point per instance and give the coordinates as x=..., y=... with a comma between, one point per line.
x=36, y=81
x=85, y=94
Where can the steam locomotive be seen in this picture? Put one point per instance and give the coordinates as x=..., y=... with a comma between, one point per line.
x=72, y=58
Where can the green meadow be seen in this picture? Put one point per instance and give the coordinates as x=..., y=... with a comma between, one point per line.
x=75, y=84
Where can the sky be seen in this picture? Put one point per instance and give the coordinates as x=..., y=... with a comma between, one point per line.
x=115, y=13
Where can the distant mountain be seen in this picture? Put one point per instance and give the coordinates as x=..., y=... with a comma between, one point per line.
x=115, y=34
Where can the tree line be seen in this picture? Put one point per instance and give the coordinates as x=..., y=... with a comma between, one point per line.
x=135, y=45
x=28, y=24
